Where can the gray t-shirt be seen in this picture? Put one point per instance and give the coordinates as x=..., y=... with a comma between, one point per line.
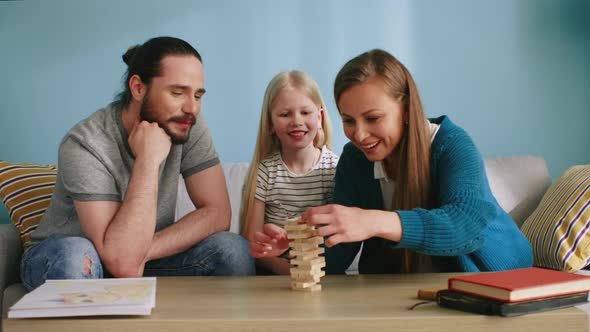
x=95, y=163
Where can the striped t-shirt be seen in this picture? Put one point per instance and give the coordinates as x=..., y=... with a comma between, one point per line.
x=286, y=194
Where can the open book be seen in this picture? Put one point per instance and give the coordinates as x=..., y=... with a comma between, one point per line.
x=88, y=297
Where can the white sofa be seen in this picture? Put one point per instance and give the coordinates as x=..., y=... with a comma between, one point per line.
x=518, y=183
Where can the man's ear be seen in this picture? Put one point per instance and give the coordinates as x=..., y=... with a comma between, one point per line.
x=137, y=88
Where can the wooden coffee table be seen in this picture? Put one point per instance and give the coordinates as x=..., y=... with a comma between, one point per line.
x=346, y=303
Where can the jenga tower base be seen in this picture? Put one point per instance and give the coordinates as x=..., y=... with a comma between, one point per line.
x=306, y=274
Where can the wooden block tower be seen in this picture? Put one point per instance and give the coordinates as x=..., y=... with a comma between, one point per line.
x=305, y=250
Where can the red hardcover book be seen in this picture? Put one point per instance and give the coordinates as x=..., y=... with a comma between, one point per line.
x=521, y=284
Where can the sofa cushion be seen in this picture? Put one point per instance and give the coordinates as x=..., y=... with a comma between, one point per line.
x=559, y=228
x=235, y=175
x=518, y=183
x=26, y=191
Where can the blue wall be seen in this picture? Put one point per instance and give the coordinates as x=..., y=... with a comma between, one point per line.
x=515, y=74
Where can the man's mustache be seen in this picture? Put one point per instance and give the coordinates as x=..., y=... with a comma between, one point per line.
x=187, y=118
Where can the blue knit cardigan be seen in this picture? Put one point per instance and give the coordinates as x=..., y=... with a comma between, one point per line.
x=467, y=231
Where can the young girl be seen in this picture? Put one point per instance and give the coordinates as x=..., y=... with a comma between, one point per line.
x=412, y=190
x=292, y=168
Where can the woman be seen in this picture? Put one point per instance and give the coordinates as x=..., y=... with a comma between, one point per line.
x=412, y=191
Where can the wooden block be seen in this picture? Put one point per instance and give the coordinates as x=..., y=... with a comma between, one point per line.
x=307, y=253
x=302, y=260
x=307, y=279
x=314, y=288
x=306, y=234
x=308, y=276
x=294, y=220
x=297, y=245
x=304, y=273
x=316, y=265
x=314, y=240
x=302, y=278
x=301, y=285
x=308, y=262
x=308, y=270
x=295, y=272
x=297, y=227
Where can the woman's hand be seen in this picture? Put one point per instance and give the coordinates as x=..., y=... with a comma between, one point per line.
x=271, y=242
x=350, y=224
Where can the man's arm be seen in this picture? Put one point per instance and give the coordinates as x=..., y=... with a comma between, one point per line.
x=122, y=232
x=208, y=192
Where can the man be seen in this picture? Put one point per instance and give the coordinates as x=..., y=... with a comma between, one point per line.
x=112, y=212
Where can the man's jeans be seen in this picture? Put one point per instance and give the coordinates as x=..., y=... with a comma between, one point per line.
x=71, y=257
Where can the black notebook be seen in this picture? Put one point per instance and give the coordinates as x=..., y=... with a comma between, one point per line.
x=479, y=305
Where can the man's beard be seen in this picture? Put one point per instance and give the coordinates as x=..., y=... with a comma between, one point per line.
x=147, y=113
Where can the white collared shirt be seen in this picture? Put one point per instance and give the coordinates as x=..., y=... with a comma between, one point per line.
x=387, y=184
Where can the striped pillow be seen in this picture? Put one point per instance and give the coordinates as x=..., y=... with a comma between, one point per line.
x=559, y=228
x=26, y=192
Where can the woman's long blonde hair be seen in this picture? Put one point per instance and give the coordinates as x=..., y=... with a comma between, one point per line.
x=268, y=143
x=411, y=167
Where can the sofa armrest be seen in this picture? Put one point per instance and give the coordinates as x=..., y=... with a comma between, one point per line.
x=11, y=250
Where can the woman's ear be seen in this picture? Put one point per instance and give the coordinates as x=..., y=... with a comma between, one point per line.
x=137, y=88
x=321, y=117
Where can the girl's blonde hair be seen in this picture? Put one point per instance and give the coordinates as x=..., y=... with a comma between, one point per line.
x=268, y=143
x=411, y=168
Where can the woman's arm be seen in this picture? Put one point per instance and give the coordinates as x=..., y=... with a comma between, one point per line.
x=454, y=227
x=339, y=256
